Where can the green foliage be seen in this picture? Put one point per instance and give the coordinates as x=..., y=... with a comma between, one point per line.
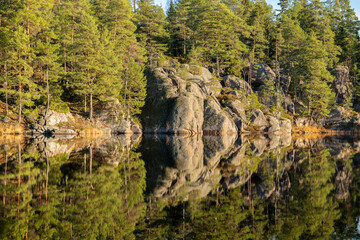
x=151, y=31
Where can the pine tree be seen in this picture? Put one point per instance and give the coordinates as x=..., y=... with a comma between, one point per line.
x=151, y=30
x=215, y=36
x=345, y=25
x=88, y=53
x=134, y=89
x=315, y=89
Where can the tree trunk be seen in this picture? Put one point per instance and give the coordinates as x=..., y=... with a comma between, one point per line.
x=85, y=103
x=6, y=89
x=20, y=98
x=90, y=158
x=91, y=107
x=48, y=91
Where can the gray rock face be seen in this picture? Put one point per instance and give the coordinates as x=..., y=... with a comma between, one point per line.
x=187, y=115
x=342, y=118
x=258, y=120
x=216, y=121
x=261, y=73
x=112, y=119
x=285, y=126
x=54, y=118
x=182, y=101
x=237, y=83
x=274, y=125
x=341, y=84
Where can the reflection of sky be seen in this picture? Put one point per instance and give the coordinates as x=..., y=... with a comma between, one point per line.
x=354, y=3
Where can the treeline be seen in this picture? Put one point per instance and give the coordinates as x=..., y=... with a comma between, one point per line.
x=305, y=39
x=86, y=52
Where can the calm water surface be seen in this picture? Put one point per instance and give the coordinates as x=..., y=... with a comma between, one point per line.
x=251, y=187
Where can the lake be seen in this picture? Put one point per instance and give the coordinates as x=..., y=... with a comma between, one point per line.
x=163, y=187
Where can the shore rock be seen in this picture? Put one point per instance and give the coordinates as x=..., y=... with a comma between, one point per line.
x=258, y=120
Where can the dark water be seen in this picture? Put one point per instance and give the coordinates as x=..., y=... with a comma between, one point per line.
x=252, y=187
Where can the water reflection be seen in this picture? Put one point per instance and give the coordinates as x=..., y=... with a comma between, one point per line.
x=210, y=187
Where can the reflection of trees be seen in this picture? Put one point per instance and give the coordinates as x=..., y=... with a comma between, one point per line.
x=75, y=197
x=347, y=227
x=308, y=211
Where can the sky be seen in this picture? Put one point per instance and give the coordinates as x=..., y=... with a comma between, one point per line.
x=354, y=4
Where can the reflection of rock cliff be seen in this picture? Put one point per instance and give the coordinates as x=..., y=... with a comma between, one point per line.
x=182, y=167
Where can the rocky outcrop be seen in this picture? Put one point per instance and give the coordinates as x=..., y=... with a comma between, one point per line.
x=258, y=120
x=342, y=85
x=111, y=118
x=54, y=118
x=182, y=102
x=341, y=118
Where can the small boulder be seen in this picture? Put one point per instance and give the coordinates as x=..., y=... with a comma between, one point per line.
x=285, y=126
x=258, y=120
x=260, y=74
x=237, y=83
x=274, y=125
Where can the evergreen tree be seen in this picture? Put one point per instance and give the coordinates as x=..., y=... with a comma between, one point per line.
x=345, y=25
x=215, y=36
x=315, y=77
x=89, y=55
x=151, y=30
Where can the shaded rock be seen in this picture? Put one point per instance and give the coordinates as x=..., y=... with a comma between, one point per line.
x=237, y=108
x=216, y=121
x=260, y=74
x=176, y=102
x=289, y=105
x=341, y=118
x=237, y=83
x=258, y=120
x=299, y=107
x=342, y=84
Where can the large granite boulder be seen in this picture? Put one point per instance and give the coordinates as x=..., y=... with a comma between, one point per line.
x=237, y=83
x=217, y=121
x=261, y=74
x=54, y=118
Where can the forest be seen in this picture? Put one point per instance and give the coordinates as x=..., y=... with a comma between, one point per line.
x=79, y=54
